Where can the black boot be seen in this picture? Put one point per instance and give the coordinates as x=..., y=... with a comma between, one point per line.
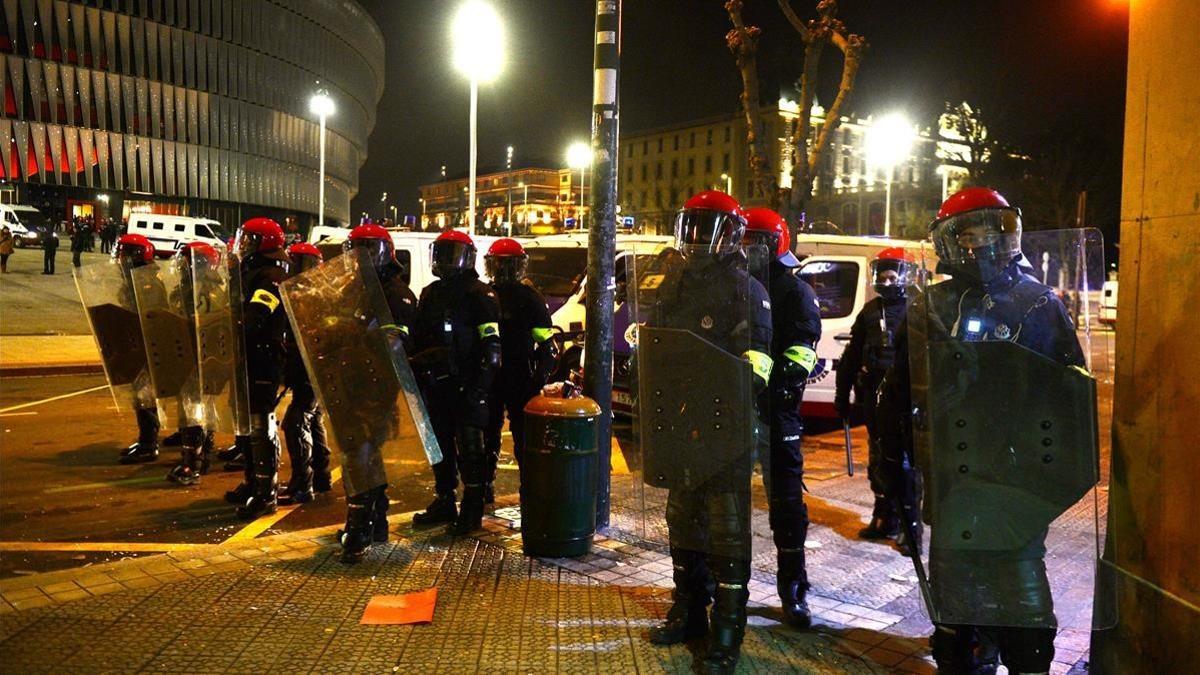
x=441, y=510
x=884, y=523
x=489, y=493
x=905, y=544
x=357, y=535
x=173, y=440
x=242, y=492
x=470, y=512
x=688, y=617
x=191, y=451
x=472, y=465
x=262, y=501
x=792, y=584
x=379, y=521
x=231, y=453
x=146, y=447
x=322, y=482
x=206, y=449
x=727, y=628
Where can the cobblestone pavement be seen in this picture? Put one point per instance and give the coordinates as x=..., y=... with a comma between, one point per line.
x=285, y=604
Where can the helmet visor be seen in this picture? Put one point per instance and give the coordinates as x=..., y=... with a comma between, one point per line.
x=378, y=251
x=714, y=231
x=451, y=257
x=129, y=256
x=247, y=244
x=299, y=264
x=984, y=234
x=506, y=268
x=886, y=272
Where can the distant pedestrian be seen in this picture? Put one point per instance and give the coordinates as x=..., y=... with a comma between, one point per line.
x=49, y=250
x=79, y=242
x=6, y=247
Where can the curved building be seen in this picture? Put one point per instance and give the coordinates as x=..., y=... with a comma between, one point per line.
x=185, y=106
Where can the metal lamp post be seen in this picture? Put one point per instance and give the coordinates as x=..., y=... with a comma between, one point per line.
x=322, y=106
x=579, y=156
x=728, y=183
x=478, y=38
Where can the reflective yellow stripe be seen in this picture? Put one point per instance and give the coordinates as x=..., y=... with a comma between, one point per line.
x=805, y=356
x=402, y=329
x=264, y=297
x=542, y=334
x=487, y=330
x=760, y=362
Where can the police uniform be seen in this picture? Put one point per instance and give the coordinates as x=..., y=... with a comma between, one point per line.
x=796, y=323
x=864, y=362
x=1012, y=307
x=456, y=341
x=709, y=526
x=265, y=328
x=526, y=362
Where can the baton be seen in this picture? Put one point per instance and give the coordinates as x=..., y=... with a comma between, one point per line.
x=849, y=448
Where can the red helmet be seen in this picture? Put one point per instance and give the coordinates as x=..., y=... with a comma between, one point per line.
x=198, y=250
x=892, y=271
x=258, y=235
x=710, y=220
x=302, y=257
x=506, y=261
x=452, y=253
x=768, y=227
x=375, y=240
x=976, y=224
x=133, y=250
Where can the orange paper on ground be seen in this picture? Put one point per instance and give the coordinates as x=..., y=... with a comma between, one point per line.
x=401, y=609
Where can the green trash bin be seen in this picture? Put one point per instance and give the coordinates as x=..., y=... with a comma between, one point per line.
x=558, y=476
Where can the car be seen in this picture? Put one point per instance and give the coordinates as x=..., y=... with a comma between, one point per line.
x=26, y=223
x=170, y=233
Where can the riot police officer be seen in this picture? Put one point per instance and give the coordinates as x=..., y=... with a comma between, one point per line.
x=366, y=513
x=195, y=441
x=259, y=245
x=712, y=295
x=133, y=251
x=988, y=299
x=864, y=362
x=528, y=350
x=303, y=421
x=796, y=329
x=456, y=338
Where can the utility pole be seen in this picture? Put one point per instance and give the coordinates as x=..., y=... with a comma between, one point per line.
x=508, y=182
x=602, y=239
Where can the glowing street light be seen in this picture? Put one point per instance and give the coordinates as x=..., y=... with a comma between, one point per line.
x=322, y=106
x=579, y=156
x=889, y=142
x=728, y=183
x=478, y=38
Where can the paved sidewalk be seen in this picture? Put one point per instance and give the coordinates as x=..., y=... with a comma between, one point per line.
x=285, y=604
x=48, y=355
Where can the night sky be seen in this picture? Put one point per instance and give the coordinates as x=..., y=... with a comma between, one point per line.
x=1042, y=66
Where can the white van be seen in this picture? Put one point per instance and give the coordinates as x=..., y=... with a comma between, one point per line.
x=170, y=233
x=25, y=222
x=1108, y=303
x=412, y=251
x=838, y=269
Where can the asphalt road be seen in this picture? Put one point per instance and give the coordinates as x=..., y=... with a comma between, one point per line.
x=65, y=501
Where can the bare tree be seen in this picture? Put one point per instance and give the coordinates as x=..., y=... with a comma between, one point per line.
x=806, y=144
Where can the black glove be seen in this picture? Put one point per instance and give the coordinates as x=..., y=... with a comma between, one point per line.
x=841, y=404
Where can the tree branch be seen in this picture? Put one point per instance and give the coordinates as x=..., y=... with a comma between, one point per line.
x=743, y=42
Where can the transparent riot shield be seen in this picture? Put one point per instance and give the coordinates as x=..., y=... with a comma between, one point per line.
x=356, y=361
x=111, y=308
x=701, y=330
x=166, y=310
x=220, y=344
x=1005, y=435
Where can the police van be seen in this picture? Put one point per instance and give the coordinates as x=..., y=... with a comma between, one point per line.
x=412, y=251
x=838, y=269
x=25, y=223
x=171, y=233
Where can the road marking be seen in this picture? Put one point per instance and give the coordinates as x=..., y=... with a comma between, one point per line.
x=264, y=523
x=99, y=547
x=101, y=486
x=52, y=398
x=17, y=414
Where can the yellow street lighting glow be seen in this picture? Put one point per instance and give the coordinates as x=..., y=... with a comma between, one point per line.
x=579, y=155
x=321, y=105
x=890, y=139
x=478, y=38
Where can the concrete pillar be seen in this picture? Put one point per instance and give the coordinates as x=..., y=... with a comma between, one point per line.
x=1153, y=539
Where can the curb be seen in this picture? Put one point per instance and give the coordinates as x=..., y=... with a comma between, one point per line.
x=52, y=369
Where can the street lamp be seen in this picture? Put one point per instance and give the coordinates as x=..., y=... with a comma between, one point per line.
x=889, y=142
x=728, y=183
x=478, y=38
x=579, y=156
x=508, y=182
x=322, y=106
x=383, y=199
